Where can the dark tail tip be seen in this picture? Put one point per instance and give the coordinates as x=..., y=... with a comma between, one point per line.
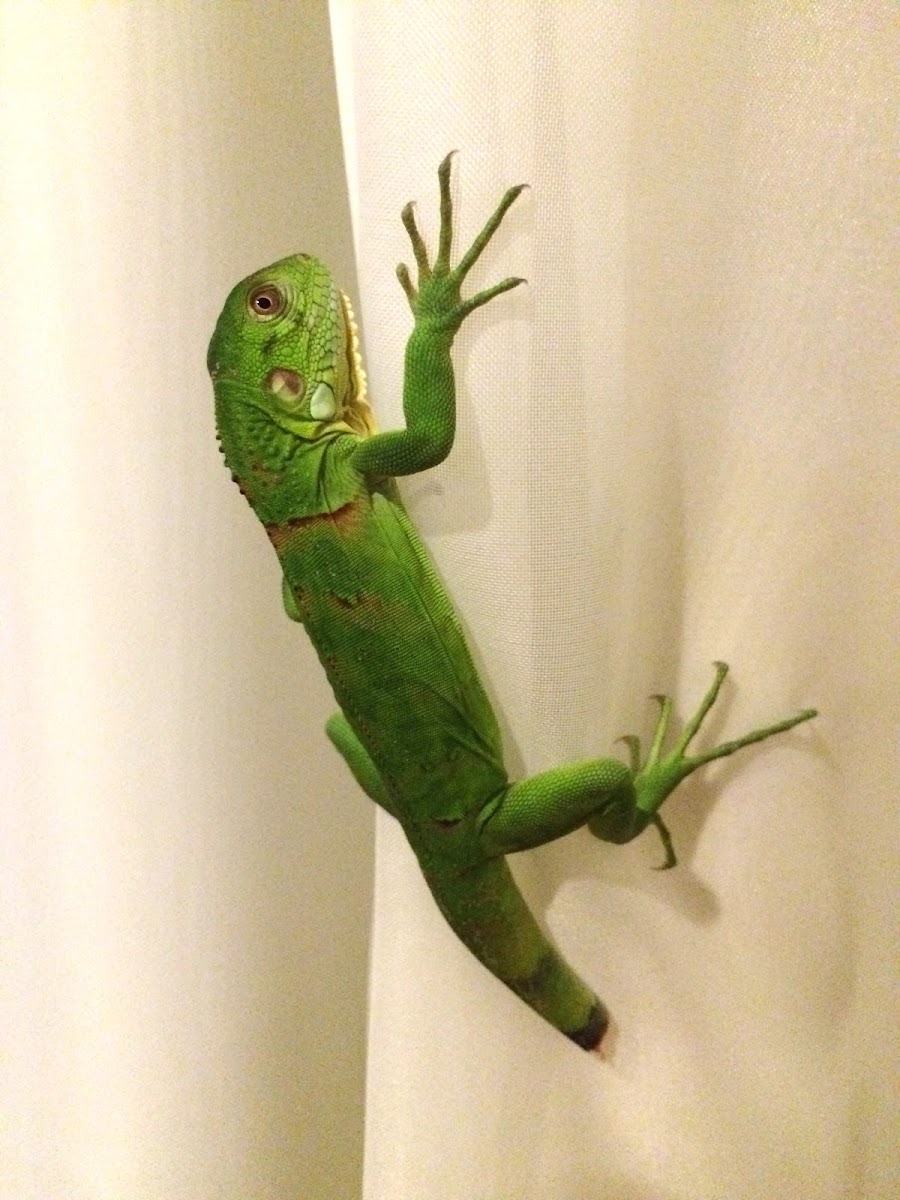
x=590, y=1035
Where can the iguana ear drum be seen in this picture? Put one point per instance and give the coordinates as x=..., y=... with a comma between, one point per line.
x=287, y=386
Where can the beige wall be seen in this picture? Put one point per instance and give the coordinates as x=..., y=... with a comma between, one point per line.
x=184, y=910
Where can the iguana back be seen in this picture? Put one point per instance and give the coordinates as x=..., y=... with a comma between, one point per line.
x=393, y=650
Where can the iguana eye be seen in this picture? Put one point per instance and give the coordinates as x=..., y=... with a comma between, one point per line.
x=266, y=301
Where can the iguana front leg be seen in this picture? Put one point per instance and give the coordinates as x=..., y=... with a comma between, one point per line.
x=429, y=405
x=617, y=802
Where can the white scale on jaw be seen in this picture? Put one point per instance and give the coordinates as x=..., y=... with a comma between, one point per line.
x=322, y=405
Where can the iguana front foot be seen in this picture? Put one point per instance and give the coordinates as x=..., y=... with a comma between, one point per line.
x=437, y=300
x=658, y=776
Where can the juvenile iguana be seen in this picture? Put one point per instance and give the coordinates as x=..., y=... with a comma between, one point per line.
x=415, y=725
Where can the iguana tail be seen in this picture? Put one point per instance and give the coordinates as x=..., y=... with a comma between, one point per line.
x=487, y=911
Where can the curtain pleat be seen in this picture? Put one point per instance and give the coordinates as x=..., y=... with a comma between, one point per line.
x=678, y=444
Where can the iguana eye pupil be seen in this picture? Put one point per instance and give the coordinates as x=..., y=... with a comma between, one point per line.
x=266, y=301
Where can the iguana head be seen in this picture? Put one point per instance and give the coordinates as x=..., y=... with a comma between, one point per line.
x=286, y=371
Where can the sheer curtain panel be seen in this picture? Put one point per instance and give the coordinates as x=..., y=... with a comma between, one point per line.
x=678, y=444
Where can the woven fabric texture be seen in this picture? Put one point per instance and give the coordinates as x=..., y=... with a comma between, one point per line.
x=677, y=444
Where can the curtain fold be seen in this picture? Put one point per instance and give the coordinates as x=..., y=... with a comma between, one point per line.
x=185, y=870
x=678, y=444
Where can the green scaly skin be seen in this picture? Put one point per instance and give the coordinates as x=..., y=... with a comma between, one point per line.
x=415, y=725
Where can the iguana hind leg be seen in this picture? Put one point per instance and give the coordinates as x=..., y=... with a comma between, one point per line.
x=355, y=755
x=556, y=802
x=659, y=775
x=616, y=802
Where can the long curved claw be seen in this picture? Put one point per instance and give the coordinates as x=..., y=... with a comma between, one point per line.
x=706, y=704
x=492, y=224
x=488, y=294
x=671, y=859
x=412, y=292
x=408, y=217
x=633, y=742
x=445, y=238
x=435, y=296
x=756, y=735
x=662, y=728
x=661, y=774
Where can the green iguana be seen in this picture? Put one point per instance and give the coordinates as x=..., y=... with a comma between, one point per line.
x=415, y=725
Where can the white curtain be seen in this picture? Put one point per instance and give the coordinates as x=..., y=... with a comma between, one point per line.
x=679, y=444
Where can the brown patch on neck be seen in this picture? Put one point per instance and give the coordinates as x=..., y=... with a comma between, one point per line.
x=347, y=517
